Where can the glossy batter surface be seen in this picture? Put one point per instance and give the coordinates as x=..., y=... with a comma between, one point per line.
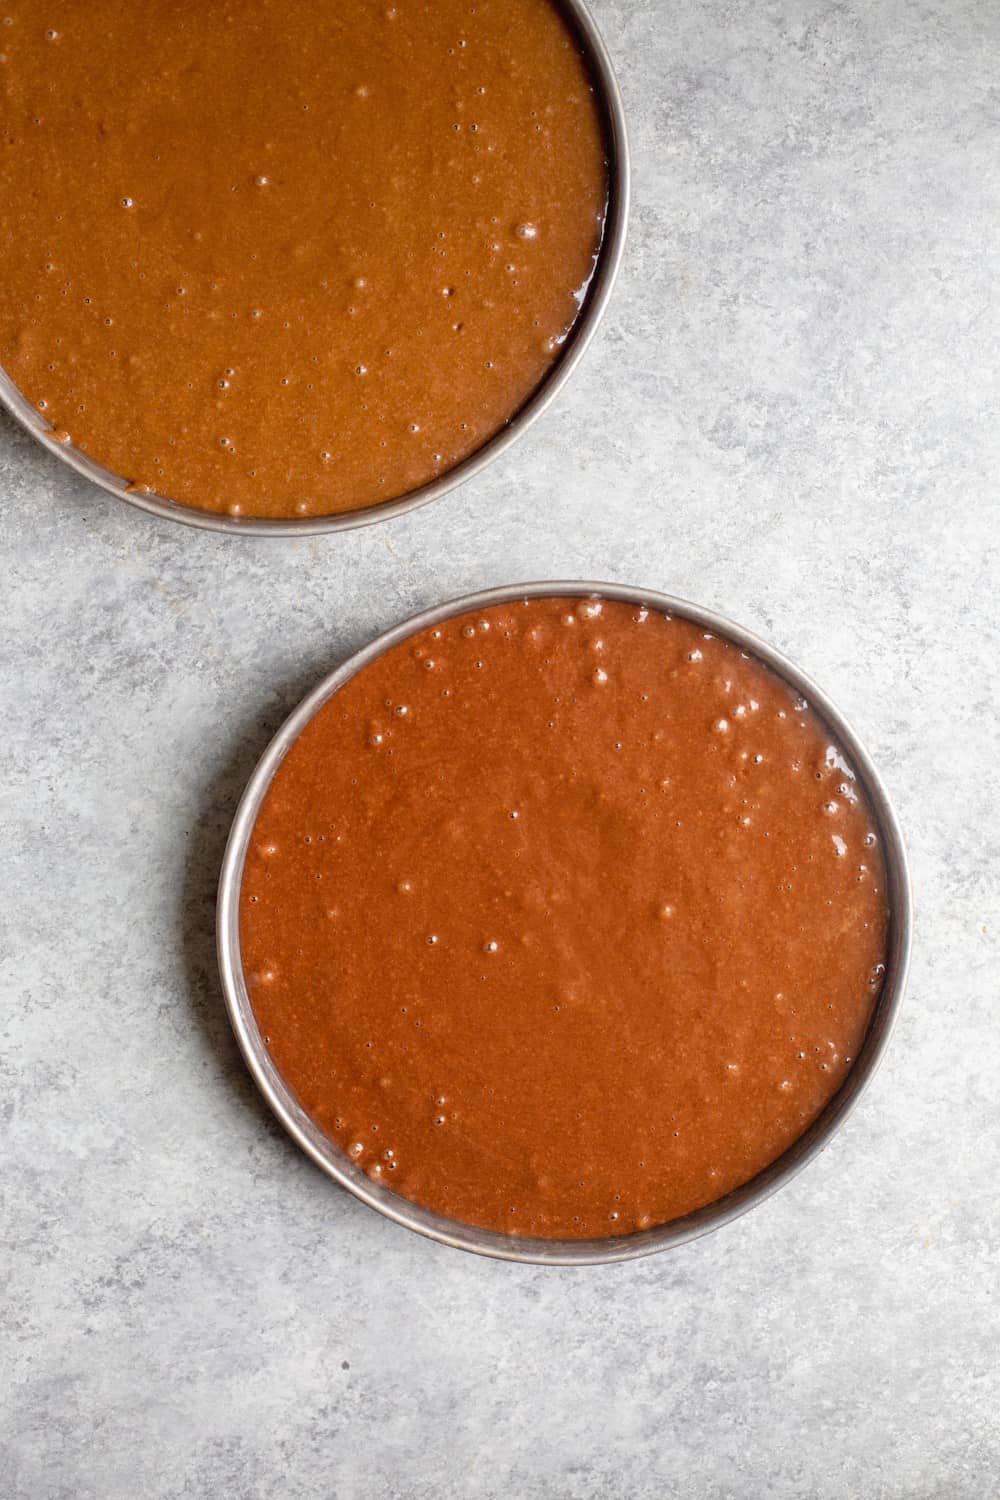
x=290, y=258
x=564, y=919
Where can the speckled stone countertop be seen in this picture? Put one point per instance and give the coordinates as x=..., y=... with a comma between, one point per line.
x=791, y=415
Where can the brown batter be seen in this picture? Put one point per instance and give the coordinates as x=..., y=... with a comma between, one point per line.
x=287, y=258
x=564, y=919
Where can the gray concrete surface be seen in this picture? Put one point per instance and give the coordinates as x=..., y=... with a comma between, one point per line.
x=791, y=415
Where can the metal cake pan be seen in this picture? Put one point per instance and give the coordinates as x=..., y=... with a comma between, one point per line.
x=540, y=1251
x=595, y=303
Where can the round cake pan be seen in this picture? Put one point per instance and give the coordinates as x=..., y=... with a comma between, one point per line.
x=539, y=1251
x=595, y=302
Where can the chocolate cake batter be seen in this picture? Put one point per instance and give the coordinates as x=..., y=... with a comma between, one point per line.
x=291, y=258
x=564, y=919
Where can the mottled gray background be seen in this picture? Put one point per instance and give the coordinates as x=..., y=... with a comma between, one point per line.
x=791, y=415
